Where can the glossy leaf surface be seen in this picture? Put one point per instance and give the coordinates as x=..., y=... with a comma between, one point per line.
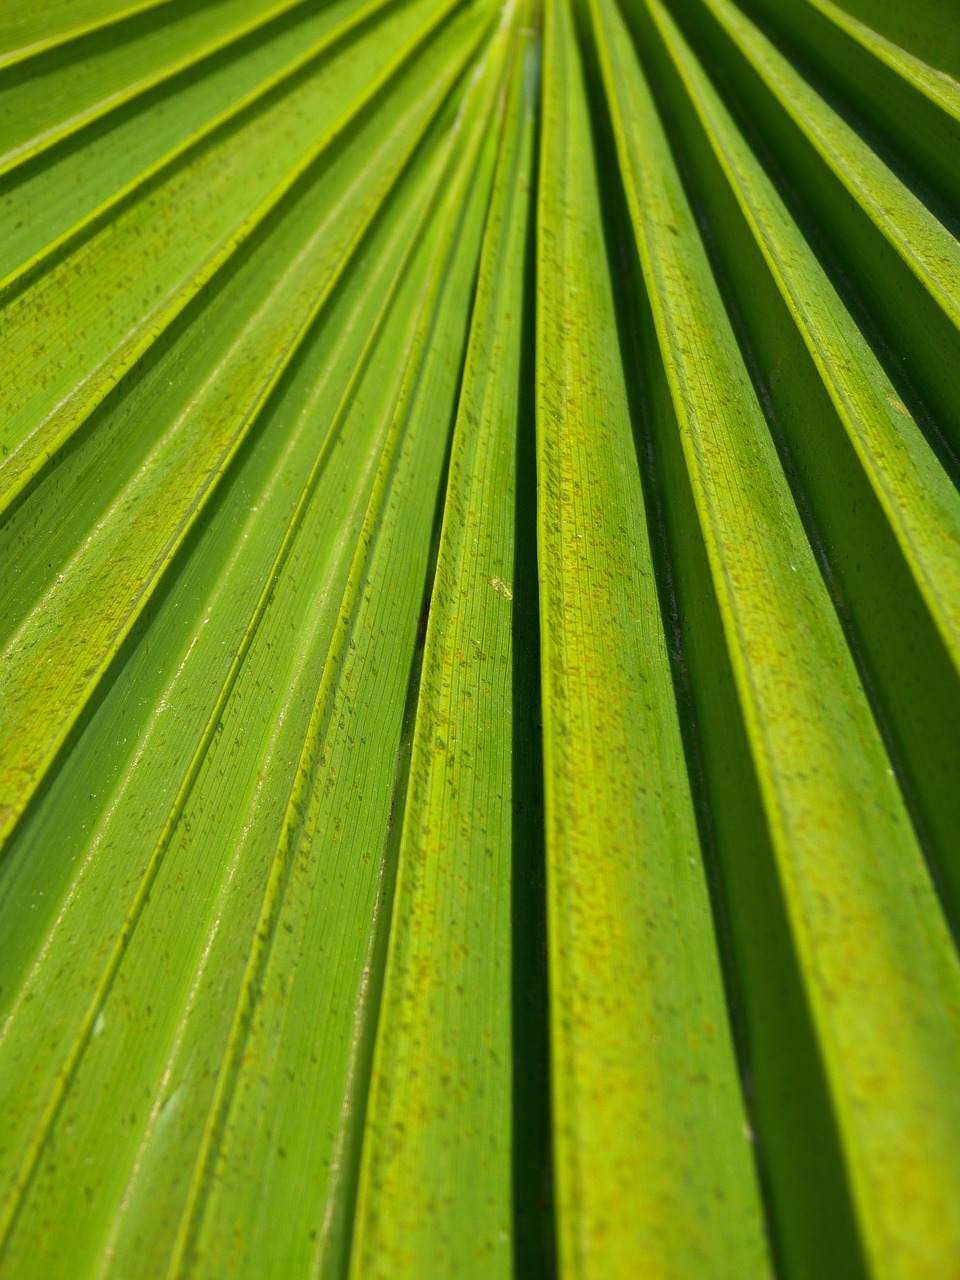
x=479, y=639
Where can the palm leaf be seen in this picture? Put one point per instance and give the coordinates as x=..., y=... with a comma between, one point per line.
x=480, y=639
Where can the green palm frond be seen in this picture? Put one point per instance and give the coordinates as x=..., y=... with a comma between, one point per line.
x=479, y=639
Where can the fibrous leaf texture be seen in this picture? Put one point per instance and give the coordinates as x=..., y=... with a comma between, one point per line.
x=479, y=640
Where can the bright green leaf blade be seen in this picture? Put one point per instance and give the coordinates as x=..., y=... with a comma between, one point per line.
x=238, y=824
x=844, y=960
x=369, y=399
x=124, y=285
x=644, y=1077
x=27, y=28
x=49, y=98
x=902, y=258
x=60, y=198
x=257, y=321
x=886, y=513
x=911, y=103
x=314, y=1022
x=441, y=1202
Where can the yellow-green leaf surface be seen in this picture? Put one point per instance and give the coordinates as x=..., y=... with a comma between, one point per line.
x=128, y=280
x=152, y=510
x=53, y=200
x=50, y=101
x=902, y=256
x=822, y=796
x=27, y=28
x=479, y=639
x=442, y=1200
x=633, y=952
x=871, y=55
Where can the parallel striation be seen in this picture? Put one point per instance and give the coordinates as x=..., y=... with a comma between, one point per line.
x=479, y=639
